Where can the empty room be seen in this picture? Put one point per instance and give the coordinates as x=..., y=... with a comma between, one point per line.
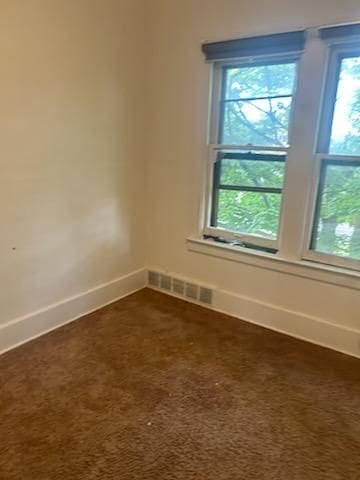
x=180, y=240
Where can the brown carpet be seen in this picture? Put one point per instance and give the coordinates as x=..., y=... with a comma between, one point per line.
x=152, y=387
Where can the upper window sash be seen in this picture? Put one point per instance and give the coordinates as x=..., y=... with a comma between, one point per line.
x=219, y=100
x=337, y=54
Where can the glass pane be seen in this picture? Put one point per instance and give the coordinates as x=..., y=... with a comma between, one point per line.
x=257, y=122
x=345, y=133
x=249, y=212
x=260, y=81
x=252, y=173
x=338, y=228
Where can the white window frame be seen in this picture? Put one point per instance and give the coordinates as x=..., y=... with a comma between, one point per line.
x=314, y=255
x=336, y=53
x=302, y=169
x=215, y=147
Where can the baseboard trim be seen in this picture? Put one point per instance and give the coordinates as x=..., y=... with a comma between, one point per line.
x=35, y=324
x=295, y=324
x=274, y=317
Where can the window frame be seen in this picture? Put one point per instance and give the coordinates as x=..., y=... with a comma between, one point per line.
x=218, y=85
x=336, y=53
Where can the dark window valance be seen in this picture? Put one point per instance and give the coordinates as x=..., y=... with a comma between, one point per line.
x=340, y=31
x=263, y=45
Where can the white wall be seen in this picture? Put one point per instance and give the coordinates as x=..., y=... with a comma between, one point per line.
x=177, y=139
x=71, y=148
x=81, y=81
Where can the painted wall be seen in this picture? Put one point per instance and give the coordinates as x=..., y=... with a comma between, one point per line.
x=71, y=148
x=95, y=95
x=177, y=140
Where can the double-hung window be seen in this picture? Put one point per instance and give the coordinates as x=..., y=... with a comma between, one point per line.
x=254, y=120
x=335, y=229
x=254, y=107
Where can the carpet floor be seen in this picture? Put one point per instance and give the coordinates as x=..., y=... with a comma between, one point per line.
x=154, y=388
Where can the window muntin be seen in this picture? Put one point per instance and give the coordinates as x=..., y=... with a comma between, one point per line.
x=345, y=130
x=256, y=104
x=336, y=229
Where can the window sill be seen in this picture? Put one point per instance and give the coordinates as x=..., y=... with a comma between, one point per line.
x=299, y=268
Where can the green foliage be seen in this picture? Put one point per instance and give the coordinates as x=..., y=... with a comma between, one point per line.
x=348, y=103
x=250, y=212
x=339, y=229
x=258, y=118
x=340, y=205
x=252, y=173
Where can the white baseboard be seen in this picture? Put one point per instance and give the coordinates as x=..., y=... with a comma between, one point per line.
x=28, y=327
x=295, y=324
x=274, y=317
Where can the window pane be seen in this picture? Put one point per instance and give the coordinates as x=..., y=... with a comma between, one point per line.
x=337, y=229
x=249, y=212
x=260, y=81
x=345, y=133
x=251, y=173
x=257, y=122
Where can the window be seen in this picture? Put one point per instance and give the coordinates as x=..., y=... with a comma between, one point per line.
x=261, y=93
x=253, y=131
x=336, y=223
